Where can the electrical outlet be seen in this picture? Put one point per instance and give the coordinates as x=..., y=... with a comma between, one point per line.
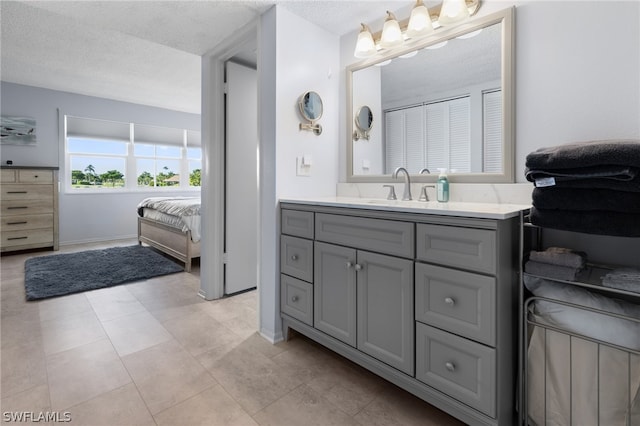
x=302, y=169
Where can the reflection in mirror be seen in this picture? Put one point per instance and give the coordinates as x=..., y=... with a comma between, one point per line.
x=363, y=122
x=447, y=106
x=310, y=104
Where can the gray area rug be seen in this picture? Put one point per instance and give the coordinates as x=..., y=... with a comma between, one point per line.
x=61, y=274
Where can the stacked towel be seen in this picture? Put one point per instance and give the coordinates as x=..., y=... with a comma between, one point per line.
x=556, y=262
x=590, y=187
x=623, y=279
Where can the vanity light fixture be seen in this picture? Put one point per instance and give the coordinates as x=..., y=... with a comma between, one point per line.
x=421, y=23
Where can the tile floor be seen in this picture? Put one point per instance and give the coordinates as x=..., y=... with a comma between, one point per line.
x=154, y=353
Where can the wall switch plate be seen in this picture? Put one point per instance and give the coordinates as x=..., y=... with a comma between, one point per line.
x=302, y=169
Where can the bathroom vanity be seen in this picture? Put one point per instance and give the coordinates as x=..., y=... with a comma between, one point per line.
x=423, y=294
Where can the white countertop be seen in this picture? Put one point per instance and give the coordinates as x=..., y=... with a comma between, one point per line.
x=452, y=208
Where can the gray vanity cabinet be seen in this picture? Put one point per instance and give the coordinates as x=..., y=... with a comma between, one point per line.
x=424, y=300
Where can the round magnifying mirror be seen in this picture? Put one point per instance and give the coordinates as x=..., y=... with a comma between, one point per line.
x=364, y=119
x=311, y=106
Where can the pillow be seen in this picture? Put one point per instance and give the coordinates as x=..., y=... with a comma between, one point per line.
x=609, y=329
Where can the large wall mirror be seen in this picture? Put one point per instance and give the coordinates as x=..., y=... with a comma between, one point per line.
x=444, y=102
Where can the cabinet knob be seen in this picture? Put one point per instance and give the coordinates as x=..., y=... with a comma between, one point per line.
x=295, y=298
x=450, y=366
x=359, y=267
x=449, y=301
x=294, y=257
x=349, y=264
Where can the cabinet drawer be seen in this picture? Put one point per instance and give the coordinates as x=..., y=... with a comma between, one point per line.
x=297, y=223
x=35, y=176
x=378, y=235
x=31, y=237
x=457, y=301
x=26, y=192
x=27, y=207
x=463, y=369
x=296, y=299
x=23, y=222
x=296, y=257
x=464, y=248
x=7, y=176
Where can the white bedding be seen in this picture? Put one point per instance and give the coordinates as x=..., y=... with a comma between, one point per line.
x=180, y=212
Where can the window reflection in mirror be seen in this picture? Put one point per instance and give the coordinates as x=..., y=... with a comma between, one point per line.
x=440, y=108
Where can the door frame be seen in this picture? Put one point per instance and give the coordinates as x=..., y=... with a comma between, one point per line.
x=213, y=161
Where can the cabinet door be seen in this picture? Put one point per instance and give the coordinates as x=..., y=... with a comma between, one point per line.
x=385, y=309
x=334, y=291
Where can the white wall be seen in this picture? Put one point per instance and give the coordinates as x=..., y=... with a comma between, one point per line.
x=295, y=56
x=83, y=217
x=577, y=73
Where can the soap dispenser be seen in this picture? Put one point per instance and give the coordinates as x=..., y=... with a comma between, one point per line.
x=442, y=186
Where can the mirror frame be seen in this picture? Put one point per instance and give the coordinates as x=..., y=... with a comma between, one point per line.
x=504, y=17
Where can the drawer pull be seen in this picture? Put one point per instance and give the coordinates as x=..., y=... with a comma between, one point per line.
x=349, y=264
x=17, y=238
x=450, y=366
x=359, y=267
x=295, y=298
x=17, y=192
x=294, y=257
x=17, y=223
x=449, y=301
x=17, y=208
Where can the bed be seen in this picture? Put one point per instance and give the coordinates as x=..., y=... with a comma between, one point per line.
x=171, y=225
x=583, y=357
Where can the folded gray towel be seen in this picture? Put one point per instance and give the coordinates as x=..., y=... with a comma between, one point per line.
x=586, y=154
x=623, y=279
x=551, y=271
x=560, y=256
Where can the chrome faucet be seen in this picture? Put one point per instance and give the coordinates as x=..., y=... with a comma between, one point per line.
x=406, y=195
x=425, y=170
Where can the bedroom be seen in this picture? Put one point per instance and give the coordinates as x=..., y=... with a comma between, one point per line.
x=555, y=57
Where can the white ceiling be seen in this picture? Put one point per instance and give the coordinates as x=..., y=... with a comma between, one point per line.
x=145, y=51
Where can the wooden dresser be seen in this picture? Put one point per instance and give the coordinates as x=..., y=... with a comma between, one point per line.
x=29, y=210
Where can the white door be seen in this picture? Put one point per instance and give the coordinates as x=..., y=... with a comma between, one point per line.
x=241, y=179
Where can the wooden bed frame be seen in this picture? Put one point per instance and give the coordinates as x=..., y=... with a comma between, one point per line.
x=168, y=239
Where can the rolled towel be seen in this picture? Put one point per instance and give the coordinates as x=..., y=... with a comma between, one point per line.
x=560, y=256
x=551, y=271
x=623, y=279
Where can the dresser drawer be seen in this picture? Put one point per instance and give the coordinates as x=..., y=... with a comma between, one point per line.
x=456, y=301
x=378, y=235
x=296, y=257
x=296, y=299
x=8, y=176
x=465, y=248
x=23, y=222
x=13, y=191
x=35, y=176
x=27, y=207
x=297, y=223
x=463, y=369
x=29, y=237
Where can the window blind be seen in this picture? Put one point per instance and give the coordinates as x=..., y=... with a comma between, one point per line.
x=91, y=128
x=459, y=135
x=492, y=131
x=414, y=139
x=394, y=140
x=143, y=133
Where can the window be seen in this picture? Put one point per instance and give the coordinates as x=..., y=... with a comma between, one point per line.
x=107, y=156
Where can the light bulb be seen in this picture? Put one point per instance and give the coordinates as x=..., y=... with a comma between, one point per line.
x=391, y=34
x=420, y=23
x=452, y=12
x=365, y=46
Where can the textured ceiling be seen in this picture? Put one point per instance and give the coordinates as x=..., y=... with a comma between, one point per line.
x=145, y=52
